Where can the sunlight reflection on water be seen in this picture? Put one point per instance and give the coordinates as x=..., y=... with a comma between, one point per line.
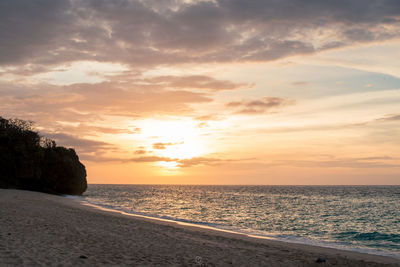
x=354, y=216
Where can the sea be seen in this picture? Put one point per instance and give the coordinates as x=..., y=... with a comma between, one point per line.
x=357, y=218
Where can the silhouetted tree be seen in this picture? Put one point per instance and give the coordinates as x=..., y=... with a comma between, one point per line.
x=47, y=142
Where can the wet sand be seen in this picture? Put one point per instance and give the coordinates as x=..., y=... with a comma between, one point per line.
x=44, y=230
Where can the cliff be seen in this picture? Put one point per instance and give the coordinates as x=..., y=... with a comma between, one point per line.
x=30, y=162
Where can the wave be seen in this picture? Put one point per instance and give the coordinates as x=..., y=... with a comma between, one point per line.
x=370, y=236
x=378, y=236
x=274, y=236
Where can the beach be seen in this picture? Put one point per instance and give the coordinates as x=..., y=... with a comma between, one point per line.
x=46, y=230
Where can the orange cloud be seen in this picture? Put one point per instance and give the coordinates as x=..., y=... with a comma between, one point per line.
x=140, y=152
x=164, y=145
x=257, y=106
x=195, y=82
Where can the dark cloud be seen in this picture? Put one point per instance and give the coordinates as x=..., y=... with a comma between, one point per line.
x=94, y=130
x=257, y=106
x=73, y=141
x=87, y=149
x=143, y=33
x=30, y=28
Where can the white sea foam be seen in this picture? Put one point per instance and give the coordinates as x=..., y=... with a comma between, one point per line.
x=286, y=213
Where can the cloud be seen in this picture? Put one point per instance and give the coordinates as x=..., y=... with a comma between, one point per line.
x=257, y=106
x=330, y=161
x=194, y=82
x=161, y=145
x=210, y=117
x=148, y=159
x=354, y=163
x=128, y=99
x=202, y=125
x=85, y=145
x=300, y=83
x=372, y=162
x=388, y=118
x=140, y=152
x=148, y=33
x=88, y=102
x=164, y=145
x=181, y=162
x=376, y=158
x=87, y=149
x=30, y=28
x=234, y=104
x=198, y=161
x=95, y=130
x=208, y=161
x=144, y=159
x=98, y=155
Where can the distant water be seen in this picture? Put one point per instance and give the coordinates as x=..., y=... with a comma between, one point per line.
x=360, y=218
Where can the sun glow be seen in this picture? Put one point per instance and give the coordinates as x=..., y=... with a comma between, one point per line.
x=173, y=139
x=171, y=165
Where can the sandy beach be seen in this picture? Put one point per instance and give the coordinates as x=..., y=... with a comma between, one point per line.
x=45, y=230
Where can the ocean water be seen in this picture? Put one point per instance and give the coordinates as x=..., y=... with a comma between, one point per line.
x=360, y=218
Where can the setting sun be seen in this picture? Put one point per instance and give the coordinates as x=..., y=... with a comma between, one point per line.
x=179, y=139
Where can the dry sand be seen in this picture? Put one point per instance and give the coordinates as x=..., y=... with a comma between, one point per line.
x=44, y=230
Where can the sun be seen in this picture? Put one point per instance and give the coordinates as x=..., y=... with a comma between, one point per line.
x=177, y=139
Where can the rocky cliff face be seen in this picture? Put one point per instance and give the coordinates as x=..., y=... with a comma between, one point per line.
x=62, y=172
x=25, y=164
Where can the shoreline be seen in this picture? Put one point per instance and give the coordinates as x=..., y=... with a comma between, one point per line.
x=41, y=229
x=320, y=244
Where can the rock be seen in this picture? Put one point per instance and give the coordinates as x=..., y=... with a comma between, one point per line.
x=62, y=172
x=26, y=164
x=320, y=260
x=83, y=257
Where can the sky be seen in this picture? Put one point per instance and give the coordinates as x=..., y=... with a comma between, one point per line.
x=288, y=92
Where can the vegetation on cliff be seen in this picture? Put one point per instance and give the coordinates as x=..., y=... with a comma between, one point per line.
x=31, y=162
